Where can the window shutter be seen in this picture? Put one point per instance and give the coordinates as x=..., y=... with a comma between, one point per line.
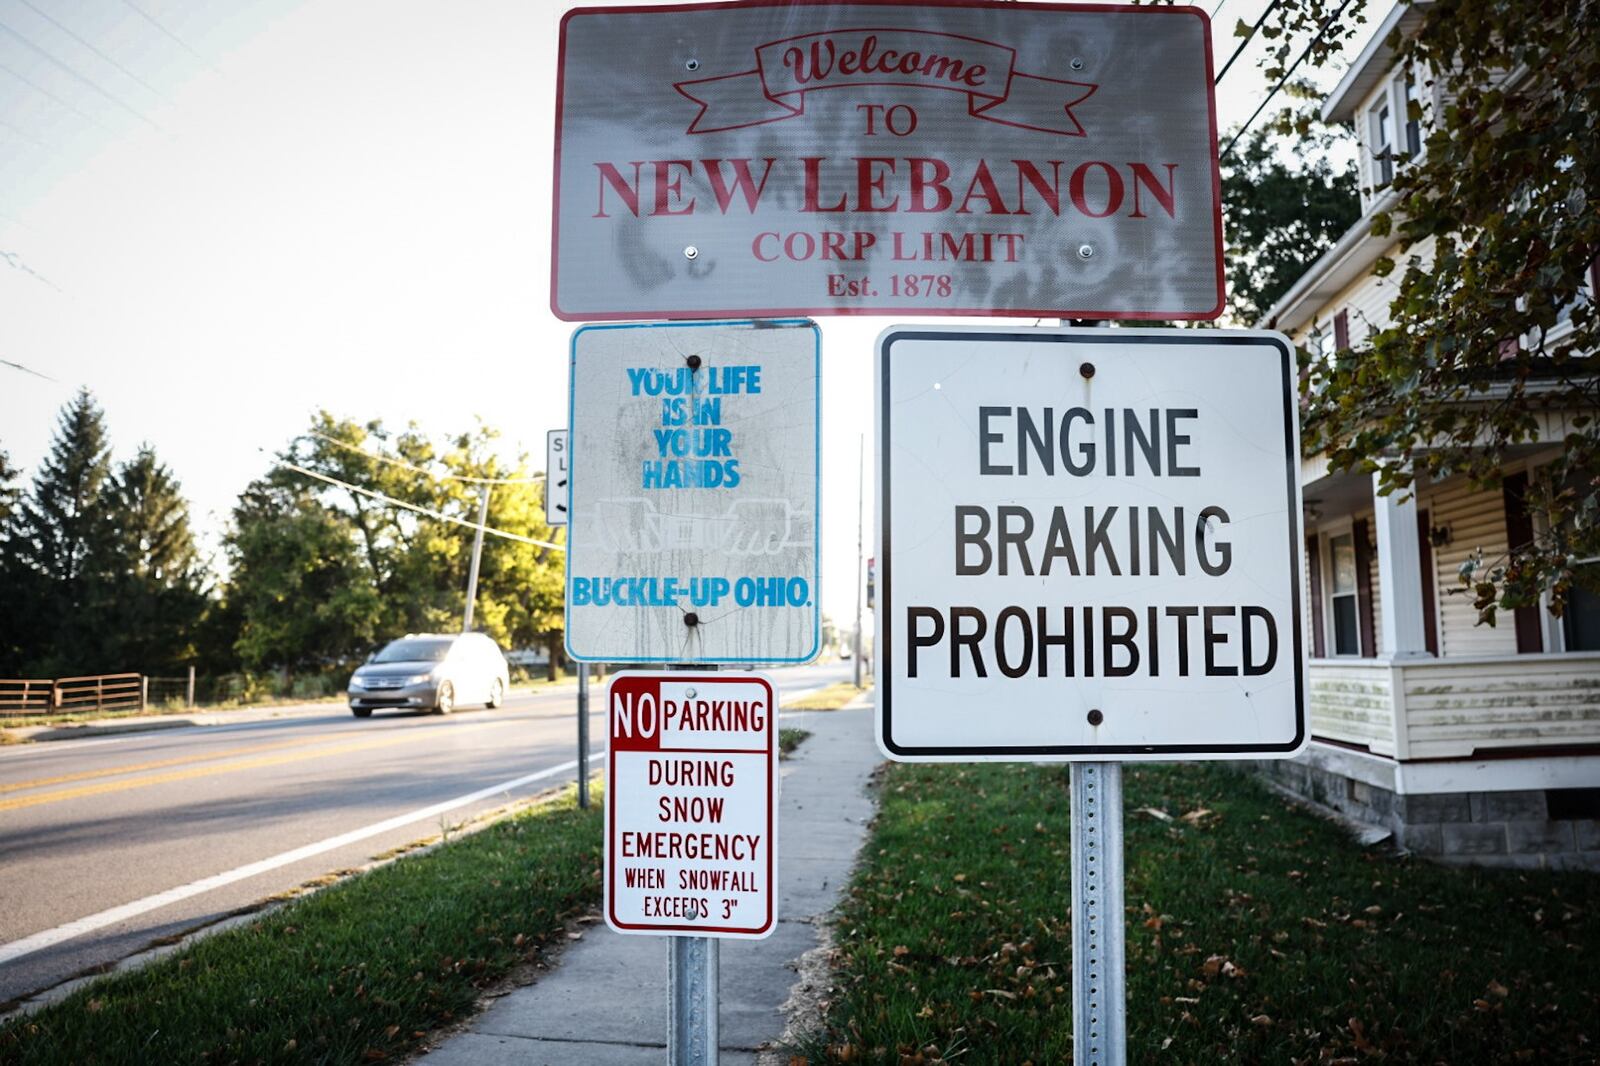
x=1319, y=644
x=1519, y=534
x=1369, y=630
x=1341, y=329
x=1430, y=607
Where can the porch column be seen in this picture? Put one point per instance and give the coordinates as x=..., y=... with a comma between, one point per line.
x=1399, y=576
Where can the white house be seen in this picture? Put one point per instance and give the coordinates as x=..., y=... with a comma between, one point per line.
x=1472, y=743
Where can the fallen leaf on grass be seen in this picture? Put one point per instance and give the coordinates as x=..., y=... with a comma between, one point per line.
x=1196, y=816
x=1155, y=813
x=1498, y=989
x=1263, y=1020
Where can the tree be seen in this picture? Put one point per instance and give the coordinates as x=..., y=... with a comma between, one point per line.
x=57, y=532
x=16, y=623
x=150, y=567
x=298, y=589
x=1280, y=216
x=406, y=570
x=1498, y=224
x=10, y=492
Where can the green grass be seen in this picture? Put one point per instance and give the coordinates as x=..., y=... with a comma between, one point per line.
x=790, y=739
x=1257, y=933
x=828, y=699
x=356, y=973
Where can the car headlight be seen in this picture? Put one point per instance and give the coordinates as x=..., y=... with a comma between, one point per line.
x=355, y=683
x=419, y=679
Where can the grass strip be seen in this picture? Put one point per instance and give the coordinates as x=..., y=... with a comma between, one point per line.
x=1257, y=933
x=790, y=739
x=356, y=973
x=828, y=699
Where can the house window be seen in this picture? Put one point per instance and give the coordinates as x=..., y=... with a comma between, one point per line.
x=1580, y=622
x=1413, y=142
x=1342, y=600
x=1382, y=157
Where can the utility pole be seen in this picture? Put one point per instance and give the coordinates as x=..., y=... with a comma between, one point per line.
x=861, y=446
x=477, y=555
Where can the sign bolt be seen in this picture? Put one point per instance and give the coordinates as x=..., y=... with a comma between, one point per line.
x=1084, y=252
x=693, y=64
x=693, y=362
x=689, y=692
x=1077, y=63
x=1095, y=717
x=691, y=619
x=1086, y=369
x=691, y=252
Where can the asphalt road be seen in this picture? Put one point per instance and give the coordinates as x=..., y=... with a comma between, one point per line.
x=110, y=844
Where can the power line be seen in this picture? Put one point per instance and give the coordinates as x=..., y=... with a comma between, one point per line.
x=31, y=6
x=1286, y=76
x=79, y=77
x=337, y=443
x=41, y=90
x=1246, y=42
x=441, y=516
x=27, y=370
x=136, y=9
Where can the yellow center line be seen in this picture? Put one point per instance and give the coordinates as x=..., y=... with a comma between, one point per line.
x=157, y=764
x=60, y=795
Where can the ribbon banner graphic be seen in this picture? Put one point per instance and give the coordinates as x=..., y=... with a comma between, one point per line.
x=788, y=69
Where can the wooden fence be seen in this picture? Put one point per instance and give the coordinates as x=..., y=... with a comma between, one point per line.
x=73, y=695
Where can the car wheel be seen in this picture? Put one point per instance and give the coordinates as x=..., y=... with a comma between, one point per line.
x=445, y=701
x=361, y=712
x=497, y=693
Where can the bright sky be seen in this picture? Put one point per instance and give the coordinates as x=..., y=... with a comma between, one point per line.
x=222, y=222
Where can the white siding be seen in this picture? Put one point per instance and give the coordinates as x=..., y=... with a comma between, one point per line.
x=1476, y=519
x=1350, y=701
x=1456, y=708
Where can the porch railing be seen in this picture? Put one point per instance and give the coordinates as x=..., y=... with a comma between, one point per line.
x=1453, y=707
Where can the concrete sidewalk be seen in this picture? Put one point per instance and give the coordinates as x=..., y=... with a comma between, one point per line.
x=605, y=1003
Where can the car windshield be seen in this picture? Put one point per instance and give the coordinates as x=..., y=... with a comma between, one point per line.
x=414, y=651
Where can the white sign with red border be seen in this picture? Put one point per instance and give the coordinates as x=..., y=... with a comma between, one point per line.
x=772, y=158
x=691, y=804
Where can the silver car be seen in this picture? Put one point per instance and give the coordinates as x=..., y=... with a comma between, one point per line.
x=431, y=670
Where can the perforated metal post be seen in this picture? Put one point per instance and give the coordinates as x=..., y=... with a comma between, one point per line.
x=693, y=974
x=1099, y=996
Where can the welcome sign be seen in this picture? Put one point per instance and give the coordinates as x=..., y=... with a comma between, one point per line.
x=857, y=158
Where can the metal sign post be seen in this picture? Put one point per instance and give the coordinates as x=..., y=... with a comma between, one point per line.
x=1099, y=999
x=693, y=976
x=583, y=735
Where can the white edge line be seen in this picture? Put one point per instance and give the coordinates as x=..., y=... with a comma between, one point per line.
x=50, y=937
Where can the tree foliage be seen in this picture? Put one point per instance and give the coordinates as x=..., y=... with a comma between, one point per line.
x=323, y=573
x=98, y=561
x=1281, y=214
x=1488, y=347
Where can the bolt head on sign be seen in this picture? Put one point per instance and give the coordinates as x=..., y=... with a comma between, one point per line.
x=691, y=804
x=1089, y=545
x=694, y=493
x=976, y=158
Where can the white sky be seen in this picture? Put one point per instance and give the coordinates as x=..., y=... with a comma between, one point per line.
x=220, y=223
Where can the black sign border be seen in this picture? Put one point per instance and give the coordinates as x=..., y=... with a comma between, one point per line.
x=886, y=556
